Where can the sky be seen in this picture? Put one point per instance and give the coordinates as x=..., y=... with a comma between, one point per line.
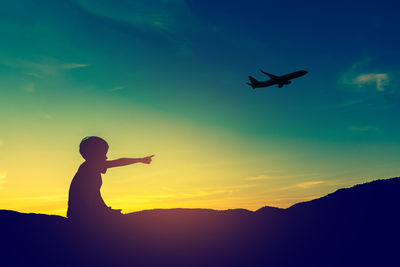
x=168, y=77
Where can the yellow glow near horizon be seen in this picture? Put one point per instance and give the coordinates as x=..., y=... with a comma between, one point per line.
x=195, y=165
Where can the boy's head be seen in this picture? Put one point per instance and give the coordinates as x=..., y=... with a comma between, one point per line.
x=93, y=148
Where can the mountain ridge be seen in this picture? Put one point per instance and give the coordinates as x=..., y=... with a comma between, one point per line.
x=334, y=230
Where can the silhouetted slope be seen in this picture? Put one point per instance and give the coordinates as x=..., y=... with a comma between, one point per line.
x=357, y=226
x=30, y=237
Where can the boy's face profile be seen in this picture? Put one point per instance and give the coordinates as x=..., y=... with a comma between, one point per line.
x=98, y=156
x=94, y=149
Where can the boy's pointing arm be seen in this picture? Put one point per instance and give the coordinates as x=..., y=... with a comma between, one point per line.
x=127, y=161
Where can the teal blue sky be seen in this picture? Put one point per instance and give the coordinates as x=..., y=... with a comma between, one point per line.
x=73, y=62
x=193, y=57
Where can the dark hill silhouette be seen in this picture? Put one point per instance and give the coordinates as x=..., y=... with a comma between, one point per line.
x=357, y=226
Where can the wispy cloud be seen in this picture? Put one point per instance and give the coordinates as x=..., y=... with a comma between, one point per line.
x=116, y=88
x=72, y=66
x=203, y=193
x=48, y=116
x=3, y=175
x=30, y=87
x=48, y=197
x=379, y=80
x=258, y=178
x=353, y=102
x=42, y=197
x=272, y=176
x=163, y=16
x=267, y=177
x=212, y=191
x=295, y=199
x=197, y=194
x=240, y=186
x=42, y=67
x=33, y=74
x=181, y=196
x=363, y=74
x=310, y=184
x=363, y=128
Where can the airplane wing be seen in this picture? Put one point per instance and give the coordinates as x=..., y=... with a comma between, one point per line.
x=269, y=83
x=269, y=74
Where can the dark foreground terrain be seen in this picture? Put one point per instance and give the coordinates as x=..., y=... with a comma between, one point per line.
x=357, y=226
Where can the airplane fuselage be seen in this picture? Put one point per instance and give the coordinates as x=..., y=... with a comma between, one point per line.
x=293, y=75
x=279, y=80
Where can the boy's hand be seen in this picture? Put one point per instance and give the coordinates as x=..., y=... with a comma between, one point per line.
x=147, y=160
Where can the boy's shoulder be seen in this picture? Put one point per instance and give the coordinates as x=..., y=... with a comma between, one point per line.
x=91, y=168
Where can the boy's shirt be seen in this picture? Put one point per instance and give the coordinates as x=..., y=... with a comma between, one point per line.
x=84, y=193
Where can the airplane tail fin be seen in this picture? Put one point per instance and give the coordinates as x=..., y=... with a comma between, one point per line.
x=252, y=85
x=253, y=81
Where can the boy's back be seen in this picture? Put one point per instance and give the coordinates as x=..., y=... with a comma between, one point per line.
x=84, y=193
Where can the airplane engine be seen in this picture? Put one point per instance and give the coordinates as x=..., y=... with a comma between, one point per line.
x=288, y=82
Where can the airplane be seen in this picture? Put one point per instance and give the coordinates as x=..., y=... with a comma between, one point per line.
x=279, y=80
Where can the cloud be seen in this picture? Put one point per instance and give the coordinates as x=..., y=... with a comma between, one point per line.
x=36, y=69
x=33, y=74
x=45, y=197
x=258, y=178
x=240, y=186
x=30, y=87
x=267, y=177
x=181, y=196
x=48, y=116
x=364, y=74
x=164, y=16
x=380, y=80
x=200, y=193
x=116, y=88
x=230, y=188
x=363, y=128
x=295, y=199
x=41, y=67
x=310, y=184
x=352, y=102
x=69, y=66
x=3, y=175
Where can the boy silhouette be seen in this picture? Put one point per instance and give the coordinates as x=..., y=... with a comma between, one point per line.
x=85, y=202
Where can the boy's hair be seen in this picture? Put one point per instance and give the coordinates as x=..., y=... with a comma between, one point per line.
x=92, y=145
